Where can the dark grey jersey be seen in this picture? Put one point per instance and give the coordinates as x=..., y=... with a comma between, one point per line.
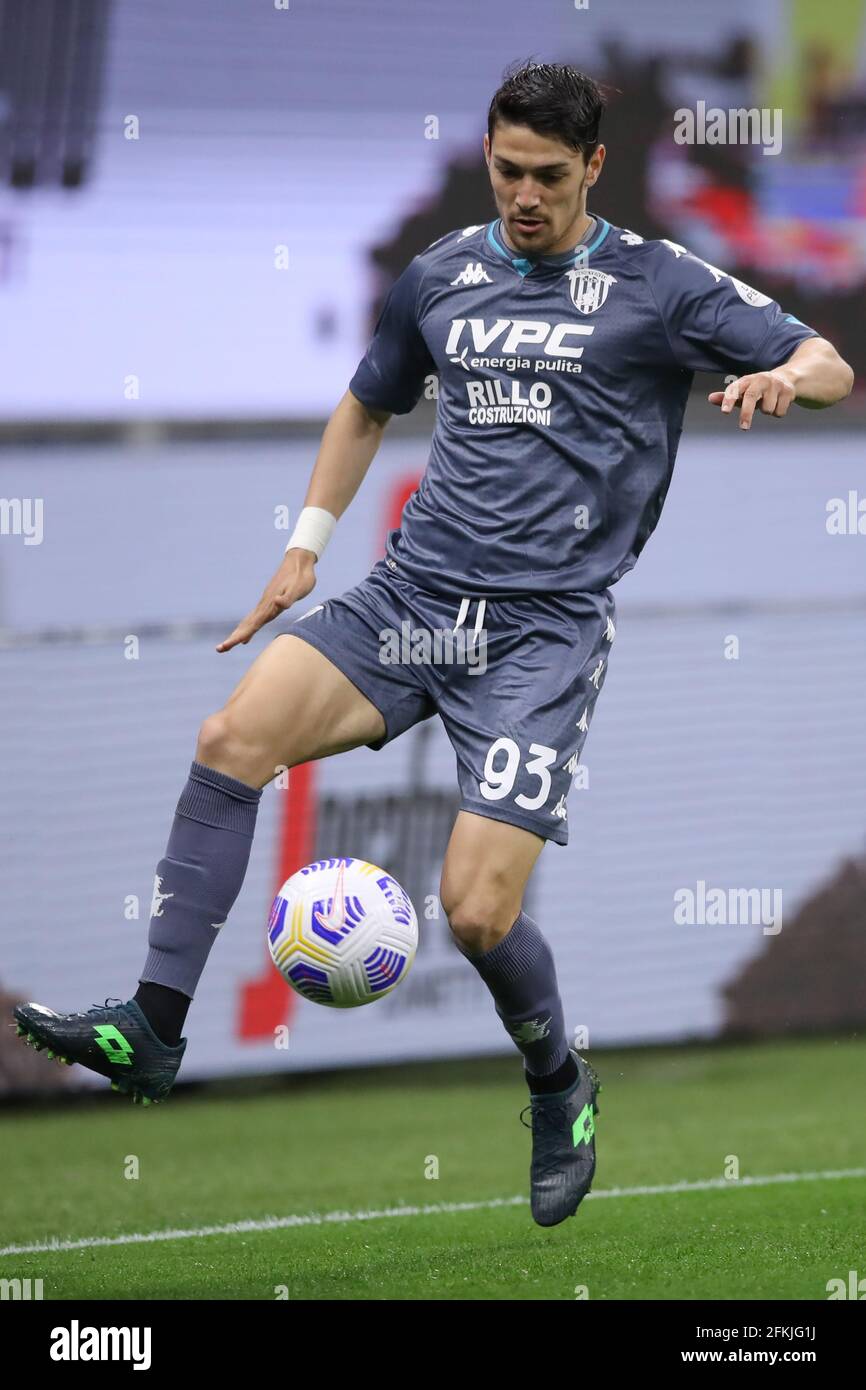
x=562, y=386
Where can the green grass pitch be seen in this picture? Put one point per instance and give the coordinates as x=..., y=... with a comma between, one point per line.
x=361, y=1143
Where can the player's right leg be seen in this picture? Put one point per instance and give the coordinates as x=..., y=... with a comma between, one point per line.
x=292, y=705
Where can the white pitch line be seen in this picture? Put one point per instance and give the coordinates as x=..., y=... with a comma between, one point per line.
x=340, y=1218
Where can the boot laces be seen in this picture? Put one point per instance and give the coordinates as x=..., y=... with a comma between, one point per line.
x=545, y=1116
x=99, y=1008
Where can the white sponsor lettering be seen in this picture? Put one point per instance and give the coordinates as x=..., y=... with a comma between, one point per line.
x=550, y=337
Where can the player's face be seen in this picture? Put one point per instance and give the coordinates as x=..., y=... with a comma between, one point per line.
x=540, y=187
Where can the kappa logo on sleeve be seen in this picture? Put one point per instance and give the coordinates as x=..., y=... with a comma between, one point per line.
x=750, y=296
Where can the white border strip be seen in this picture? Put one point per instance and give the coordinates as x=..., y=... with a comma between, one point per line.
x=341, y=1218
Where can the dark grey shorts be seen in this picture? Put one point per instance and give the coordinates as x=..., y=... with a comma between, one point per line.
x=514, y=680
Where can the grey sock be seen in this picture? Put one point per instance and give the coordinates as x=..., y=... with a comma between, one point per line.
x=521, y=976
x=200, y=877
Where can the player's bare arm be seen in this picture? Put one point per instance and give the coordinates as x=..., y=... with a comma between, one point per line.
x=814, y=376
x=349, y=444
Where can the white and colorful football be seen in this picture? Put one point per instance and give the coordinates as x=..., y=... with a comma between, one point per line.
x=342, y=932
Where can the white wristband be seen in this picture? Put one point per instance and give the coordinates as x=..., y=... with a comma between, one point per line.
x=313, y=530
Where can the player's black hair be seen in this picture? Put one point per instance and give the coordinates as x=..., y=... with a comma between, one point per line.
x=552, y=99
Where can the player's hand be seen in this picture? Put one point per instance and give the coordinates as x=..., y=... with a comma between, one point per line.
x=295, y=578
x=771, y=392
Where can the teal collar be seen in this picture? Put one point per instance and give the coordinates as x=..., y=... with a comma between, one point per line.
x=524, y=264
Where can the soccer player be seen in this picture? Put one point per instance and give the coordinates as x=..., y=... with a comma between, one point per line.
x=565, y=349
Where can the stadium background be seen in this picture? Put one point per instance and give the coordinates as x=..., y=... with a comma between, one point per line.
x=180, y=312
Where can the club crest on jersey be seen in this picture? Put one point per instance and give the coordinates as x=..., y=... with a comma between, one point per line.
x=589, y=289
